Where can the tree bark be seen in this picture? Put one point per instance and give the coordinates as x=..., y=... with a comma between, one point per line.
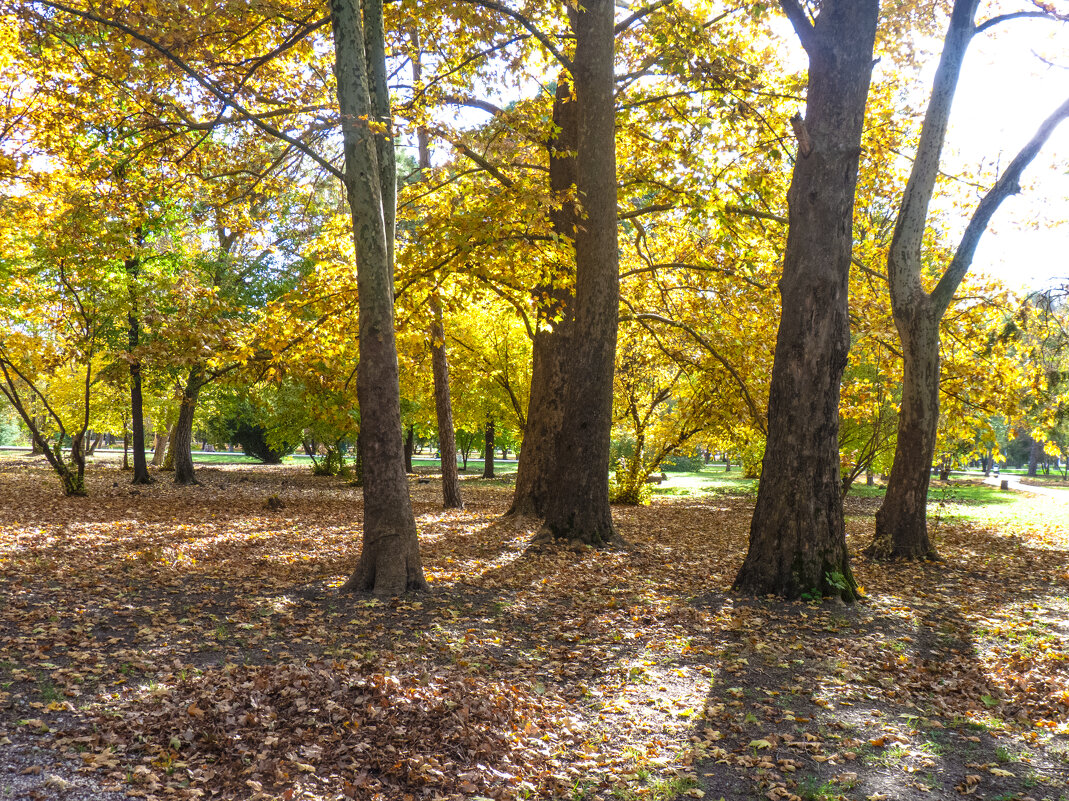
x=1033, y=458
x=137, y=413
x=488, y=459
x=797, y=535
x=409, y=439
x=905, y=504
x=545, y=405
x=443, y=407
x=389, y=561
x=578, y=508
x=164, y=444
x=901, y=524
x=183, y=429
x=443, y=404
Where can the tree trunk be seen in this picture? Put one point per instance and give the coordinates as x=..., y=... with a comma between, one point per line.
x=1033, y=458
x=389, y=560
x=137, y=414
x=797, y=535
x=901, y=528
x=165, y=450
x=443, y=407
x=578, y=508
x=183, y=430
x=488, y=459
x=545, y=405
x=443, y=404
x=125, y=449
x=409, y=439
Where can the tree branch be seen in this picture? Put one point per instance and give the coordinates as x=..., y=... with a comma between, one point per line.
x=1007, y=184
x=223, y=97
x=623, y=25
x=529, y=26
x=801, y=23
x=991, y=23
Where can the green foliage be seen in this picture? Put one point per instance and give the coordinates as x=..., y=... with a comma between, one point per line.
x=10, y=431
x=252, y=438
x=628, y=486
x=685, y=463
x=751, y=457
x=239, y=421
x=332, y=464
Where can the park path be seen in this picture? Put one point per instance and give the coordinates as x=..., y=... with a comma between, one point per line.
x=1014, y=483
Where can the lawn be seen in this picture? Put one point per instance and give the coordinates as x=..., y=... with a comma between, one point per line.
x=166, y=642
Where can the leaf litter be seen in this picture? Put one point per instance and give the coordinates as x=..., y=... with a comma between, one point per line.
x=191, y=643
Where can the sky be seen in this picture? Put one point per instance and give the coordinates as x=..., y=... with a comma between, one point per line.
x=1013, y=78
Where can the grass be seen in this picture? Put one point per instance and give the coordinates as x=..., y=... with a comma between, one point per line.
x=711, y=479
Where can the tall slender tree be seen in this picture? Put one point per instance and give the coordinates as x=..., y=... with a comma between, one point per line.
x=389, y=561
x=901, y=522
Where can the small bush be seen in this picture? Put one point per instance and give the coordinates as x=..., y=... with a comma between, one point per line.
x=751, y=457
x=629, y=490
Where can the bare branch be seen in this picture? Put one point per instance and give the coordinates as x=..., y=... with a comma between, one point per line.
x=529, y=26
x=991, y=23
x=800, y=22
x=1007, y=184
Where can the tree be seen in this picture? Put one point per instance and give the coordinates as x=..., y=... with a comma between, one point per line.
x=389, y=560
x=797, y=536
x=578, y=507
x=901, y=522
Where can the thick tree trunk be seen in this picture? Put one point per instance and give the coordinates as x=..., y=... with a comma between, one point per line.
x=901, y=522
x=389, y=560
x=183, y=429
x=488, y=459
x=443, y=407
x=545, y=405
x=578, y=508
x=797, y=535
x=409, y=440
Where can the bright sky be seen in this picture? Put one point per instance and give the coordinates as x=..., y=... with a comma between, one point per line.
x=1012, y=80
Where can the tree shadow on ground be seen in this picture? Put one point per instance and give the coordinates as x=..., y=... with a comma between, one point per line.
x=954, y=685
x=637, y=674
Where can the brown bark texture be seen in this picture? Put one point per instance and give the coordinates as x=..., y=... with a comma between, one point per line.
x=488, y=448
x=545, y=405
x=443, y=408
x=797, y=535
x=183, y=429
x=137, y=413
x=409, y=442
x=578, y=507
x=389, y=561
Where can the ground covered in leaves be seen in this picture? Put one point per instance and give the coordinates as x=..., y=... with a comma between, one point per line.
x=167, y=642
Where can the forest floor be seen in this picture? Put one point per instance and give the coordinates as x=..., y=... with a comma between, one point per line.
x=166, y=642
